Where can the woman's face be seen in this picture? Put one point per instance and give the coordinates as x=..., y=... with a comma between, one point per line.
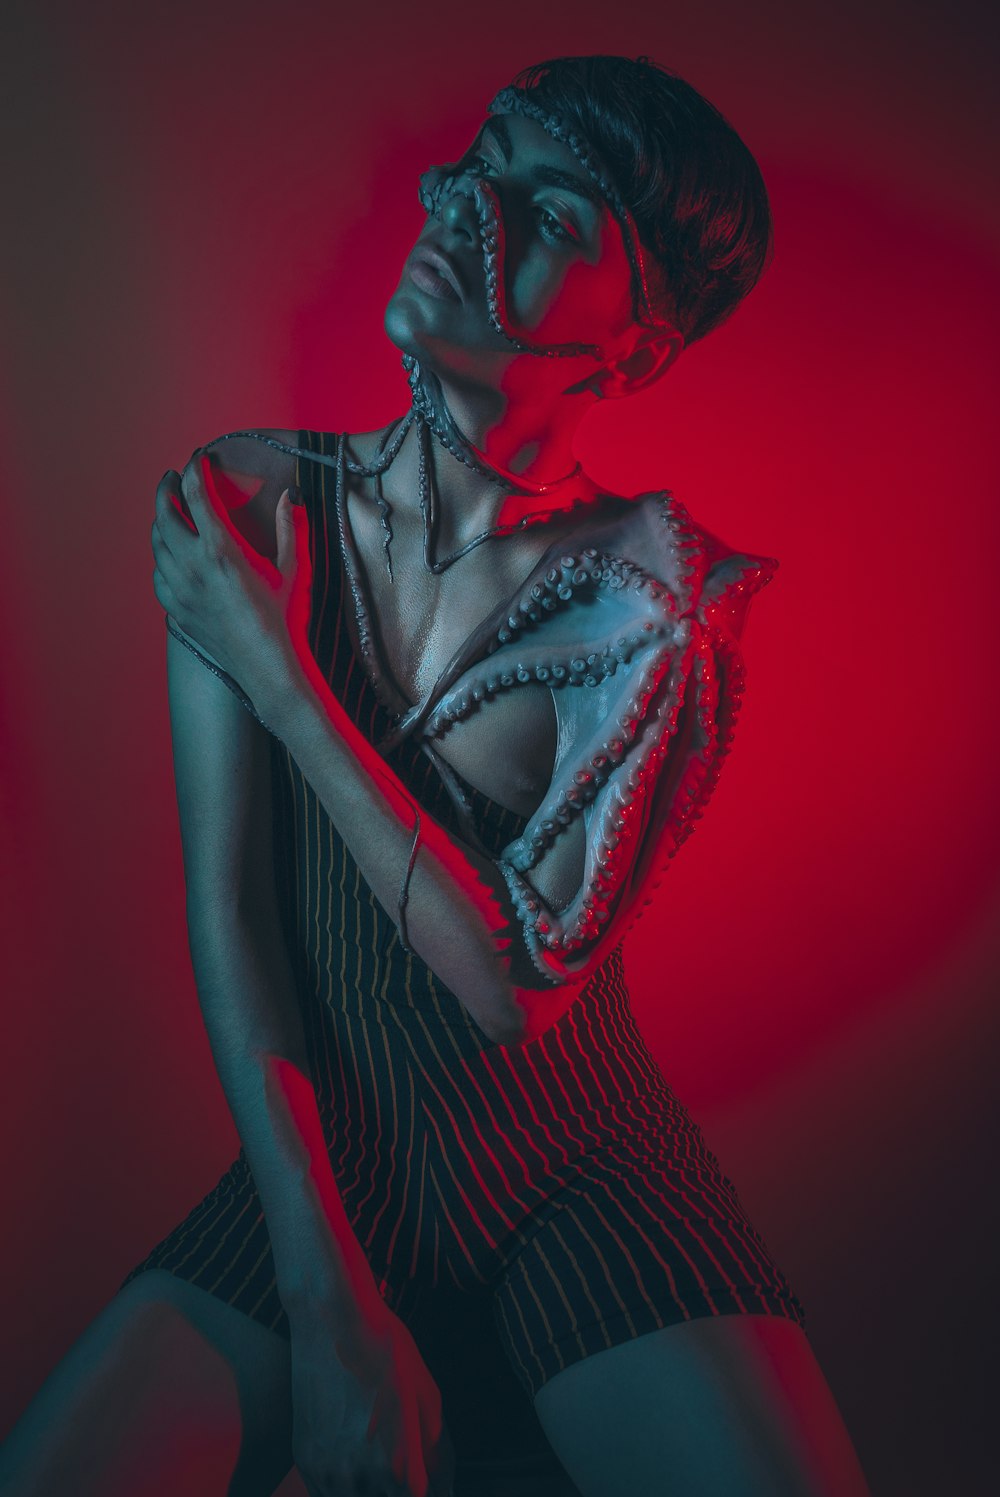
x=566, y=273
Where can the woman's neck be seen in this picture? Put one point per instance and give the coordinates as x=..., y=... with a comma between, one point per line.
x=534, y=444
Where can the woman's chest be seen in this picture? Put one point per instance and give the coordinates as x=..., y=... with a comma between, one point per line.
x=418, y=621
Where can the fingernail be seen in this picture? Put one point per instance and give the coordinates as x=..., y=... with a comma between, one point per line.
x=294, y=493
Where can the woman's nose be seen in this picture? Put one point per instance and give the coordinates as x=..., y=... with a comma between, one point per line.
x=458, y=212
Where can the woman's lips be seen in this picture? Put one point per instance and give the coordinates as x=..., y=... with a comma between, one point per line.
x=433, y=275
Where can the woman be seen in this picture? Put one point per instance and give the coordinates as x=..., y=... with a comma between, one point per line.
x=472, y=1241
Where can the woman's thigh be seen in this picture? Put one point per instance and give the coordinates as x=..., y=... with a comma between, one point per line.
x=168, y=1390
x=719, y=1406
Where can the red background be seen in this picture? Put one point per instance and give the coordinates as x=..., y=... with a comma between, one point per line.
x=211, y=207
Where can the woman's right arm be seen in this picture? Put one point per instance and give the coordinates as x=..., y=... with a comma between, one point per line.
x=250, y=1004
x=347, y=1347
x=247, y=991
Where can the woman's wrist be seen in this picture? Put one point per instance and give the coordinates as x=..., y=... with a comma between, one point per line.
x=334, y=1312
x=334, y=1282
x=276, y=682
x=288, y=686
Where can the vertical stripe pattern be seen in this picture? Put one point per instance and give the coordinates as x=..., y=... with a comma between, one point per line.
x=558, y=1188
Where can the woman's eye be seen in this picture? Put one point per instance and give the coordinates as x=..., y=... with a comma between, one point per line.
x=552, y=226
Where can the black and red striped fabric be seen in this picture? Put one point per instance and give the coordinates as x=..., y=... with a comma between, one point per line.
x=522, y=1207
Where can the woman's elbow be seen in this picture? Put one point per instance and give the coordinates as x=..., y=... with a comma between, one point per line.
x=537, y=1010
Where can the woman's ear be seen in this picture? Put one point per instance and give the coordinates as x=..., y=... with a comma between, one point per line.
x=654, y=352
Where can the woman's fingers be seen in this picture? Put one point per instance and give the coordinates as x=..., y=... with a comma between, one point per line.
x=441, y=1470
x=171, y=532
x=170, y=511
x=427, y=1442
x=287, y=533
x=417, y=1448
x=406, y=1475
x=207, y=510
x=431, y=1414
x=164, y=593
x=192, y=487
x=171, y=529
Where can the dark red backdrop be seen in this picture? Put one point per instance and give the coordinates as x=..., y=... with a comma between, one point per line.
x=212, y=206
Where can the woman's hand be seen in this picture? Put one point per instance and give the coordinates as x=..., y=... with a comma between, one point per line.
x=250, y=614
x=367, y=1415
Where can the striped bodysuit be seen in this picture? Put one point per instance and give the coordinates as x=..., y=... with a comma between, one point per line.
x=521, y=1207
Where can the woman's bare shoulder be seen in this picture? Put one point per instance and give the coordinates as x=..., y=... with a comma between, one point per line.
x=252, y=454
x=249, y=475
x=257, y=454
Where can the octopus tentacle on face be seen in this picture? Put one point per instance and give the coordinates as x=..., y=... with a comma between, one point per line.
x=527, y=254
x=441, y=183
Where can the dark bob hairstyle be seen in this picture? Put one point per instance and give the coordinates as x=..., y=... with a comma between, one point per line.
x=693, y=187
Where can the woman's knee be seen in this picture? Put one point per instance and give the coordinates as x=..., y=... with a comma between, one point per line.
x=226, y=1377
x=167, y=1390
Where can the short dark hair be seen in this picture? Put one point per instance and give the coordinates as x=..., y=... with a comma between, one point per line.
x=696, y=192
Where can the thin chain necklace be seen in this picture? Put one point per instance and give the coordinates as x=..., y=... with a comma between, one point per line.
x=426, y=413
x=429, y=510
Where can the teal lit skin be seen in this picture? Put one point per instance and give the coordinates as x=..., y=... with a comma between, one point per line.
x=567, y=278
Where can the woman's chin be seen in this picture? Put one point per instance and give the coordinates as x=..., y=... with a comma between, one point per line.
x=435, y=352
x=400, y=329
x=438, y=333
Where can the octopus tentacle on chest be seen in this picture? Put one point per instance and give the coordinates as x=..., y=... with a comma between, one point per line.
x=636, y=633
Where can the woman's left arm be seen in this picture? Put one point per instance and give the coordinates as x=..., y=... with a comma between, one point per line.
x=251, y=615
x=459, y=916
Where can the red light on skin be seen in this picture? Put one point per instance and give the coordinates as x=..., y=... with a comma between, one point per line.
x=290, y=1092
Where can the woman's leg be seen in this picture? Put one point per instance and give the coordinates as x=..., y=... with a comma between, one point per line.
x=720, y=1406
x=168, y=1390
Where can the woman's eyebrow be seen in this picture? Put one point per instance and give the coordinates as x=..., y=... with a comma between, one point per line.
x=547, y=176
x=554, y=176
x=497, y=127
